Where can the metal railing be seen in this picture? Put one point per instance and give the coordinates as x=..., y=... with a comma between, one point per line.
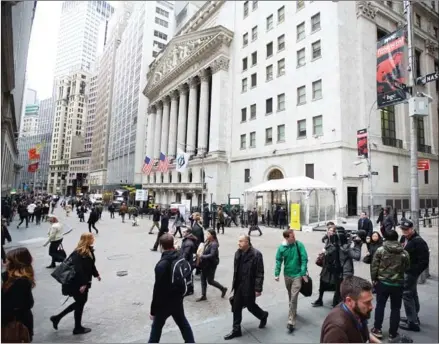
x=424, y=149
x=393, y=142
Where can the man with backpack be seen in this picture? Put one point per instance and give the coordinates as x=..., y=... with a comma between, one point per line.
x=173, y=276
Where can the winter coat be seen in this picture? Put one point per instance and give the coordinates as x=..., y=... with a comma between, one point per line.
x=366, y=225
x=22, y=211
x=156, y=215
x=210, y=257
x=164, y=298
x=188, y=247
x=288, y=254
x=338, y=262
x=164, y=223
x=55, y=232
x=347, y=255
x=221, y=216
x=179, y=221
x=93, y=217
x=375, y=245
x=198, y=232
x=123, y=209
x=5, y=235
x=251, y=279
x=419, y=254
x=85, y=269
x=389, y=263
x=387, y=225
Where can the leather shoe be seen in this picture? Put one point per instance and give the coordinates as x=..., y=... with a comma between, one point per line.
x=263, y=322
x=223, y=292
x=408, y=326
x=82, y=330
x=233, y=334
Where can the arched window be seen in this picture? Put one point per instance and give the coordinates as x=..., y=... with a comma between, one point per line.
x=170, y=177
x=190, y=176
x=179, y=178
x=275, y=174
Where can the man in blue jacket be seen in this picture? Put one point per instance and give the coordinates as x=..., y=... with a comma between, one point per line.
x=292, y=254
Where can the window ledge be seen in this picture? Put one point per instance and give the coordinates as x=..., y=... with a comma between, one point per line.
x=280, y=50
x=300, y=66
x=268, y=143
x=242, y=148
x=280, y=110
x=316, y=99
x=299, y=104
x=253, y=65
x=269, y=29
x=300, y=39
x=254, y=39
x=252, y=119
x=316, y=58
x=301, y=137
x=316, y=136
x=244, y=45
x=316, y=30
x=244, y=70
x=268, y=113
x=279, y=75
x=243, y=91
x=252, y=147
x=269, y=56
x=252, y=87
x=281, y=141
x=268, y=80
x=243, y=122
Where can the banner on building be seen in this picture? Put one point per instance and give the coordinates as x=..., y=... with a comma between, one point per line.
x=181, y=161
x=391, y=69
x=362, y=145
x=32, y=167
x=33, y=153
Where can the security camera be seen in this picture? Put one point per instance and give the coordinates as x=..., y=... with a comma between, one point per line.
x=422, y=94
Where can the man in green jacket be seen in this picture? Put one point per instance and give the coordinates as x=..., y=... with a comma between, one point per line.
x=292, y=254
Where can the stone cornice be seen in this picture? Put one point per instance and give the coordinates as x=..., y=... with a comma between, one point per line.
x=431, y=48
x=221, y=63
x=366, y=9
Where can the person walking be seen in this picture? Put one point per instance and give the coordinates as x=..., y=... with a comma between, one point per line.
x=282, y=218
x=178, y=223
x=248, y=280
x=38, y=212
x=92, y=219
x=254, y=226
x=68, y=209
x=45, y=212
x=17, y=299
x=419, y=254
x=389, y=263
x=55, y=234
x=221, y=219
x=387, y=225
x=198, y=232
x=5, y=236
x=164, y=228
x=365, y=224
x=347, y=323
x=84, y=264
x=111, y=209
x=24, y=215
x=122, y=211
x=30, y=210
x=189, y=246
x=155, y=219
x=293, y=255
x=166, y=301
x=208, y=263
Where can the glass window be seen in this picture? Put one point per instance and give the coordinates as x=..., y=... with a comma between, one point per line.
x=281, y=14
x=269, y=105
x=315, y=22
x=301, y=128
x=281, y=67
x=243, y=141
x=269, y=73
x=268, y=136
x=300, y=4
x=317, y=125
x=317, y=89
x=253, y=111
x=247, y=175
x=245, y=39
x=281, y=43
x=395, y=174
x=243, y=114
x=301, y=57
x=255, y=5
x=269, y=49
x=245, y=9
x=244, y=63
x=301, y=95
x=254, y=58
x=281, y=102
x=316, y=51
x=269, y=22
x=388, y=128
x=244, y=85
x=254, y=80
x=300, y=31
x=255, y=33
x=253, y=139
x=281, y=133
x=309, y=170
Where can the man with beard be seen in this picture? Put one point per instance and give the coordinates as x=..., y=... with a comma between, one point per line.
x=347, y=323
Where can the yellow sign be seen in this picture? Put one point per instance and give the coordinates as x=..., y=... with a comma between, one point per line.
x=295, y=216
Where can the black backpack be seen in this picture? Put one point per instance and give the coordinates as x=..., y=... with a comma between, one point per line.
x=181, y=277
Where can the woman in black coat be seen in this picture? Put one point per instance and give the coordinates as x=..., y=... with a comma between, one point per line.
x=92, y=219
x=83, y=260
x=5, y=236
x=209, y=261
x=17, y=299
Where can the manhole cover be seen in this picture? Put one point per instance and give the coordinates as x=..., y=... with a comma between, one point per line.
x=119, y=257
x=122, y=273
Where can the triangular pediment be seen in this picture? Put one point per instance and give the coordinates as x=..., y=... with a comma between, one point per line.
x=181, y=50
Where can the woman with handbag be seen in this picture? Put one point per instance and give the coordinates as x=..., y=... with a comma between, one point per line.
x=55, y=234
x=17, y=299
x=208, y=262
x=83, y=260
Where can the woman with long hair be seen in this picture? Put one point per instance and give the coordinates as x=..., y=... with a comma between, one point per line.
x=83, y=259
x=17, y=299
x=179, y=221
x=209, y=261
x=198, y=232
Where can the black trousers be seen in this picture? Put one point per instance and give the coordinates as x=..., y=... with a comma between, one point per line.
x=3, y=255
x=159, y=234
x=208, y=277
x=324, y=286
x=31, y=217
x=90, y=225
x=218, y=225
x=37, y=219
x=22, y=218
x=53, y=250
x=111, y=214
x=77, y=307
x=238, y=306
x=383, y=292
x=178, y=230
x=254, y=228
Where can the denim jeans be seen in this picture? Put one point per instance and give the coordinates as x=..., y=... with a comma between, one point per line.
x=410, y=298
x=383, y=292
x=177, y=313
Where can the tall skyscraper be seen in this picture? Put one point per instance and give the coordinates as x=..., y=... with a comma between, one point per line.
x=149, y=29
x=78, y=37
x=45, y=121
x=101, y=124
x=91, y=111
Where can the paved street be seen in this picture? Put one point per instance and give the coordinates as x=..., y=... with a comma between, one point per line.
x=118, y=307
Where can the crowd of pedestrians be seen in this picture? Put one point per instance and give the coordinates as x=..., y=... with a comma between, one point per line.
x=395, y=265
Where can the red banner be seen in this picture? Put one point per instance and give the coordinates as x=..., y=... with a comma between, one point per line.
x=33, y=167
x=362, y=143
x=423, y=164
x=33, y=154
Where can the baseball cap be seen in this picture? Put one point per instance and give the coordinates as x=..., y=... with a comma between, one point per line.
x=405, y=224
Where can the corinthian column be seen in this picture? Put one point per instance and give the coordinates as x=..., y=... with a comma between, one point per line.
x=172, y=142
x=165, y=127
x=192, y=117
x=150, y=132
x=182, y=114
x=158, y=130
x=203, y=123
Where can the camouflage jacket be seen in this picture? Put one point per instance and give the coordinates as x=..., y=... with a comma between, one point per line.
x=389, y=263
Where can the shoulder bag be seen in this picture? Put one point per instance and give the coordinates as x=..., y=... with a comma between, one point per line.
x=306, y=289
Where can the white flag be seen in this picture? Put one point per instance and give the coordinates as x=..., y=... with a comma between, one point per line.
x=181, y=161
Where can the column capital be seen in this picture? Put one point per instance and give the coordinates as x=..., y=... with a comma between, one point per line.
x=221, y=63
x=204, y=75
x=152, y=109
x=183, y=89
x=193, y=82
x=166, y=100
x=366, y=9
x=174, y=95
x=159, y=105
x=431, y=47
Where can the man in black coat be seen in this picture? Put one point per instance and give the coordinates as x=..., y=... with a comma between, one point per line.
x=248, y=279
x=164, y=228
x=387, y=225
x=155, y=219
x=165, y=301
x=365, y=224
x=419, y=254
x=92, y=219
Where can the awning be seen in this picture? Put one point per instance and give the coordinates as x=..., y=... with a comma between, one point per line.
x=291, y=184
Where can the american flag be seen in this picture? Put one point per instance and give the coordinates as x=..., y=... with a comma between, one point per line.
x=147, y=165
x=163, y=163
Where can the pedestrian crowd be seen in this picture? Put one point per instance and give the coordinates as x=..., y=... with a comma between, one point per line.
x=396, y=263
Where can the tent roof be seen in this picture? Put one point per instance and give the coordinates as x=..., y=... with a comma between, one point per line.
x=291, y=184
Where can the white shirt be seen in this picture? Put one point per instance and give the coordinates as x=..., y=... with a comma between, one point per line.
x=55, y=232
x=30, y=208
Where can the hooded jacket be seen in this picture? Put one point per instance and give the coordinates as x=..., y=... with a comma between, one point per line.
x=188, y=247
x=419, y=253
x=389, y=263
x=288, y=254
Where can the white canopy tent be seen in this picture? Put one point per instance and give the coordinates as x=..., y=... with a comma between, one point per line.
x=300, y=184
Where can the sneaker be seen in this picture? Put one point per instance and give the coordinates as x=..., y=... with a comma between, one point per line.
x=377, y=333
x=317, y=303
